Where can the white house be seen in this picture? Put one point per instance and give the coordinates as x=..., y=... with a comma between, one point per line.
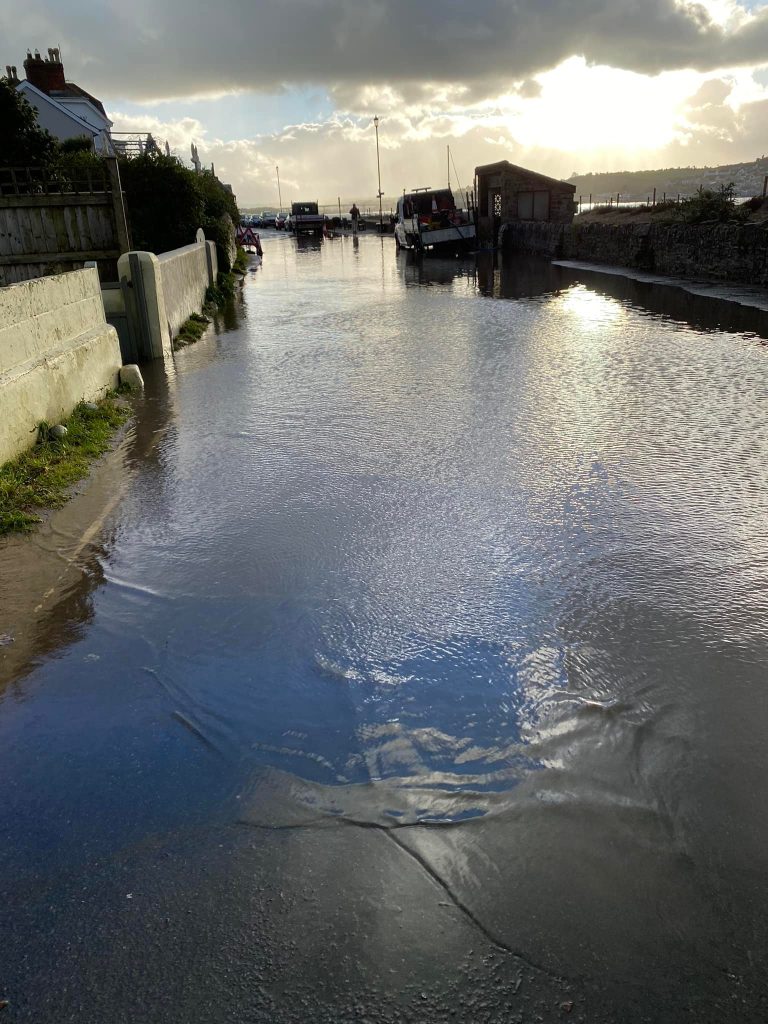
x=63, y=108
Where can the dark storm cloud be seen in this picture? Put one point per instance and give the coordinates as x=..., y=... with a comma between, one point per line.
x=181, y=47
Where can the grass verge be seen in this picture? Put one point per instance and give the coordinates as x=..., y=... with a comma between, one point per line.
x=41, y=477
x=191, y=331
x=216, y=296
x=241, y=260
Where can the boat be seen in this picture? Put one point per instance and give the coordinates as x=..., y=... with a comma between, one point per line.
x=428, y=220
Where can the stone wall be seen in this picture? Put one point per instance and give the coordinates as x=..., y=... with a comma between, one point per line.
x=56, y=349
x=725, y=252
x=542, y=238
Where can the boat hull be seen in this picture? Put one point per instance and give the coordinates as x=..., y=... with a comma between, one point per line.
x=445, y=239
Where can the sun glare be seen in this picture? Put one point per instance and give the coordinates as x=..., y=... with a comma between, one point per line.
x=581, y=107
x=588, y=307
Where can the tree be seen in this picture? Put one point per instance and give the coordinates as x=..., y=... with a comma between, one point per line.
x=23, y=143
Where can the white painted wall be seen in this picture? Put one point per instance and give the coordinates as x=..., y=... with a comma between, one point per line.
x=53, y=116
x=174, y=287
x=185, y=279
x=56, y=349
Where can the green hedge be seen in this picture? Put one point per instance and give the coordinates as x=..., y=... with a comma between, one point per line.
x=167, y=203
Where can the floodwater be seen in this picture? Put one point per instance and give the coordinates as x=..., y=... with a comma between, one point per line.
x=406, y=662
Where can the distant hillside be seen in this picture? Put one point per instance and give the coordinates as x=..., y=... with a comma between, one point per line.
x=639, y=185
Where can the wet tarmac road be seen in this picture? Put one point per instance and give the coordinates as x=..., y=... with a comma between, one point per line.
x=406, y=662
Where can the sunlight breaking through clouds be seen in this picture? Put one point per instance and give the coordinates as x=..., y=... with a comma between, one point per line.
x=593, y=86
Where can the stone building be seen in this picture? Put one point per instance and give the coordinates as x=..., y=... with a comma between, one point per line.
x=508, y=194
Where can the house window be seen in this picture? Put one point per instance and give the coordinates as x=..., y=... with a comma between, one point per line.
x=533, y=205
x=497, y=204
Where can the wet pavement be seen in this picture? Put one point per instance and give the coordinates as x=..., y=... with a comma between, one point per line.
x=406, y=662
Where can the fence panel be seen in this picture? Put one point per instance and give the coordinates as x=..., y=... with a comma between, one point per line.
x=49, y=224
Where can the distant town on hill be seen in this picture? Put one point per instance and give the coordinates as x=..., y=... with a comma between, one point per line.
x=633, y=186
x=748, y=180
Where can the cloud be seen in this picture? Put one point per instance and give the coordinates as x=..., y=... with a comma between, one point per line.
x=553, y=84
x=179, y=134
x=714, y=132
x=147, y=50
x=676, y=119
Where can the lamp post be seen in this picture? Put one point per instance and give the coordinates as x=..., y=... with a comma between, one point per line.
x=378, y=168
x=279, y=193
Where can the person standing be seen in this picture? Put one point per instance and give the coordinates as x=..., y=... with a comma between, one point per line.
x=354, y=213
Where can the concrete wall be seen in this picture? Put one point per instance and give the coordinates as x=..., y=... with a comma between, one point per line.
x=724, y=252
x=56, y=349
x=185, y=276
x=172, y=287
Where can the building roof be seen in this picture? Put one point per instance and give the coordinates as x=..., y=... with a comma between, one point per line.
x=505, y=165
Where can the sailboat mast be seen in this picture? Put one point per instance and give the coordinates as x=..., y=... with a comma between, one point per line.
x=449, y=165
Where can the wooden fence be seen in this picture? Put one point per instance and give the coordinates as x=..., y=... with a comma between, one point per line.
x=49, y=224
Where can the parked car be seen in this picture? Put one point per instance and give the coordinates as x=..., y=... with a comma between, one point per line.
x=280, y=221
x=268, y=218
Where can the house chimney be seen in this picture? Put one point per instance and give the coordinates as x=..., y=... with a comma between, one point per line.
x=47, y=75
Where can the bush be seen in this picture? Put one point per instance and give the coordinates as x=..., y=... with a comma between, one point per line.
x=74, y=165
x=221, y=216
x=22, y=142
x=164, y=200
x=755, y=203
x=221, y=231
x=217, y=198
x=167, y=203
x=711, y=205
x=77, y=144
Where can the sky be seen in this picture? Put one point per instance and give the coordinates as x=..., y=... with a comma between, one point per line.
x=561, y=86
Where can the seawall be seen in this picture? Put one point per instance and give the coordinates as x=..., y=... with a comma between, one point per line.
x=56, y=349
x=166, y=290
x=720, y=252
x=185, y=274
